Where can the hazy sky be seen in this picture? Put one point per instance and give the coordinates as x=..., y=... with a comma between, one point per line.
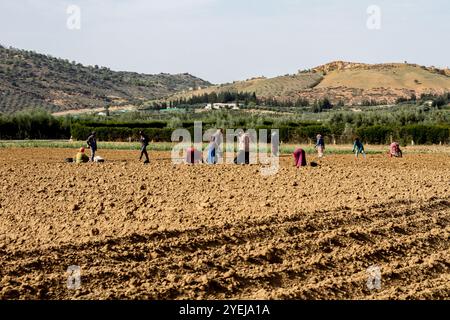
x=226, y=40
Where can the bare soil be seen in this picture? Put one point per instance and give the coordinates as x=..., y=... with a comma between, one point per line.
x=165, y=231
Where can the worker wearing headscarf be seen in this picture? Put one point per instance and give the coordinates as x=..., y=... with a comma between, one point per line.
x=81, y=156
x=320, y=145
x=300, y=157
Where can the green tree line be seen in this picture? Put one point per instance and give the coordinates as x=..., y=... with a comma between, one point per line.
x=420, y=125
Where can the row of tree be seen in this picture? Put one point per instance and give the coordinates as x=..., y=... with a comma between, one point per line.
x=420, y=134
x=420, y=126
x=34, y=124
x=246, y=98
x=214, y=97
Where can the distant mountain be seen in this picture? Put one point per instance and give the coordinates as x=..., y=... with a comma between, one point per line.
x=346, y=82
x=29, y=79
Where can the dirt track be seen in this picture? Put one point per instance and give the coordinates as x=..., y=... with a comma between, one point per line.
x=168, y=232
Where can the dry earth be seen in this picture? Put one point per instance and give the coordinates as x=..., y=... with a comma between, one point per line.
x=168, y=232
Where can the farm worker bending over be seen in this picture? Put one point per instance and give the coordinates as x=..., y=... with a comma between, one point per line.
x=320, y=145
x=358, y=148
x=92, y=143
x=81, y=157
x=394, y=150
x=144, y=144
x=193, y=156
x=300, y=157
x=244, y=149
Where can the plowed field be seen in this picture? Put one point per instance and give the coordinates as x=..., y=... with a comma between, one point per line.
x=165, y=231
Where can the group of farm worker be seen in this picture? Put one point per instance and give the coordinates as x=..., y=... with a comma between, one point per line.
x=358, y=148
x=243, y=157
x=300, y=154
x=91, y=142
x=214, y=150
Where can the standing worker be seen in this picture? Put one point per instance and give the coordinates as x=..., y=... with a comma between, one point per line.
x=358, y=148
x=92, y=144
x=214, y=152
x=320, y=145
x=218, y=139
x=144, y=144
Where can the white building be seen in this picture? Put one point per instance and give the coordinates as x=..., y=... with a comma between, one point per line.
x=219, y=106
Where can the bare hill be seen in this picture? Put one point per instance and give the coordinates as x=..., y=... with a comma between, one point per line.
x=346, y=82
x=278, y=87
x=354, y=82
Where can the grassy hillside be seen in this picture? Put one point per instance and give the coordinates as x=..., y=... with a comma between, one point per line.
x=28, y=79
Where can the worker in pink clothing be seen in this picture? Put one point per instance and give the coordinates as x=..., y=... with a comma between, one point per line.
x=395, y=151
x=300, y=157
x=193, y=156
